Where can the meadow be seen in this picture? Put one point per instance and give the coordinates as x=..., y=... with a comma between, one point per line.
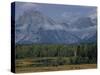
x=51, y=57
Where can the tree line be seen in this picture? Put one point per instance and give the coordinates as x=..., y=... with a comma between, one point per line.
x=83, y=53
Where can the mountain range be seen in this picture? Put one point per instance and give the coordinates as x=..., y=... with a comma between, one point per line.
x=35, y=27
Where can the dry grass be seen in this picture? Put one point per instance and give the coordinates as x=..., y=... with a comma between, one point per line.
x=55, y=68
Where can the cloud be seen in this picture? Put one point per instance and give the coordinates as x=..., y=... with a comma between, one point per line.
x=53, y=27
x=71, y=29
x=93, y=13
x=21, y=7
x=27, y=6
x=70, y=16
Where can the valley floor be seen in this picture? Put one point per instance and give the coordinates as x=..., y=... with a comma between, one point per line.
x=35, y=65
x=55, y=68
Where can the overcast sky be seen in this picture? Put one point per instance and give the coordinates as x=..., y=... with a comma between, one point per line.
x=55, y=11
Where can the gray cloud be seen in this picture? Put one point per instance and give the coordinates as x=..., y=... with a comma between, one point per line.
x=22, y=7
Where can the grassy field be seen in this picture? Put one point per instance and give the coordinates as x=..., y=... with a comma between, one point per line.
x=31, y=65
x=39, y=58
